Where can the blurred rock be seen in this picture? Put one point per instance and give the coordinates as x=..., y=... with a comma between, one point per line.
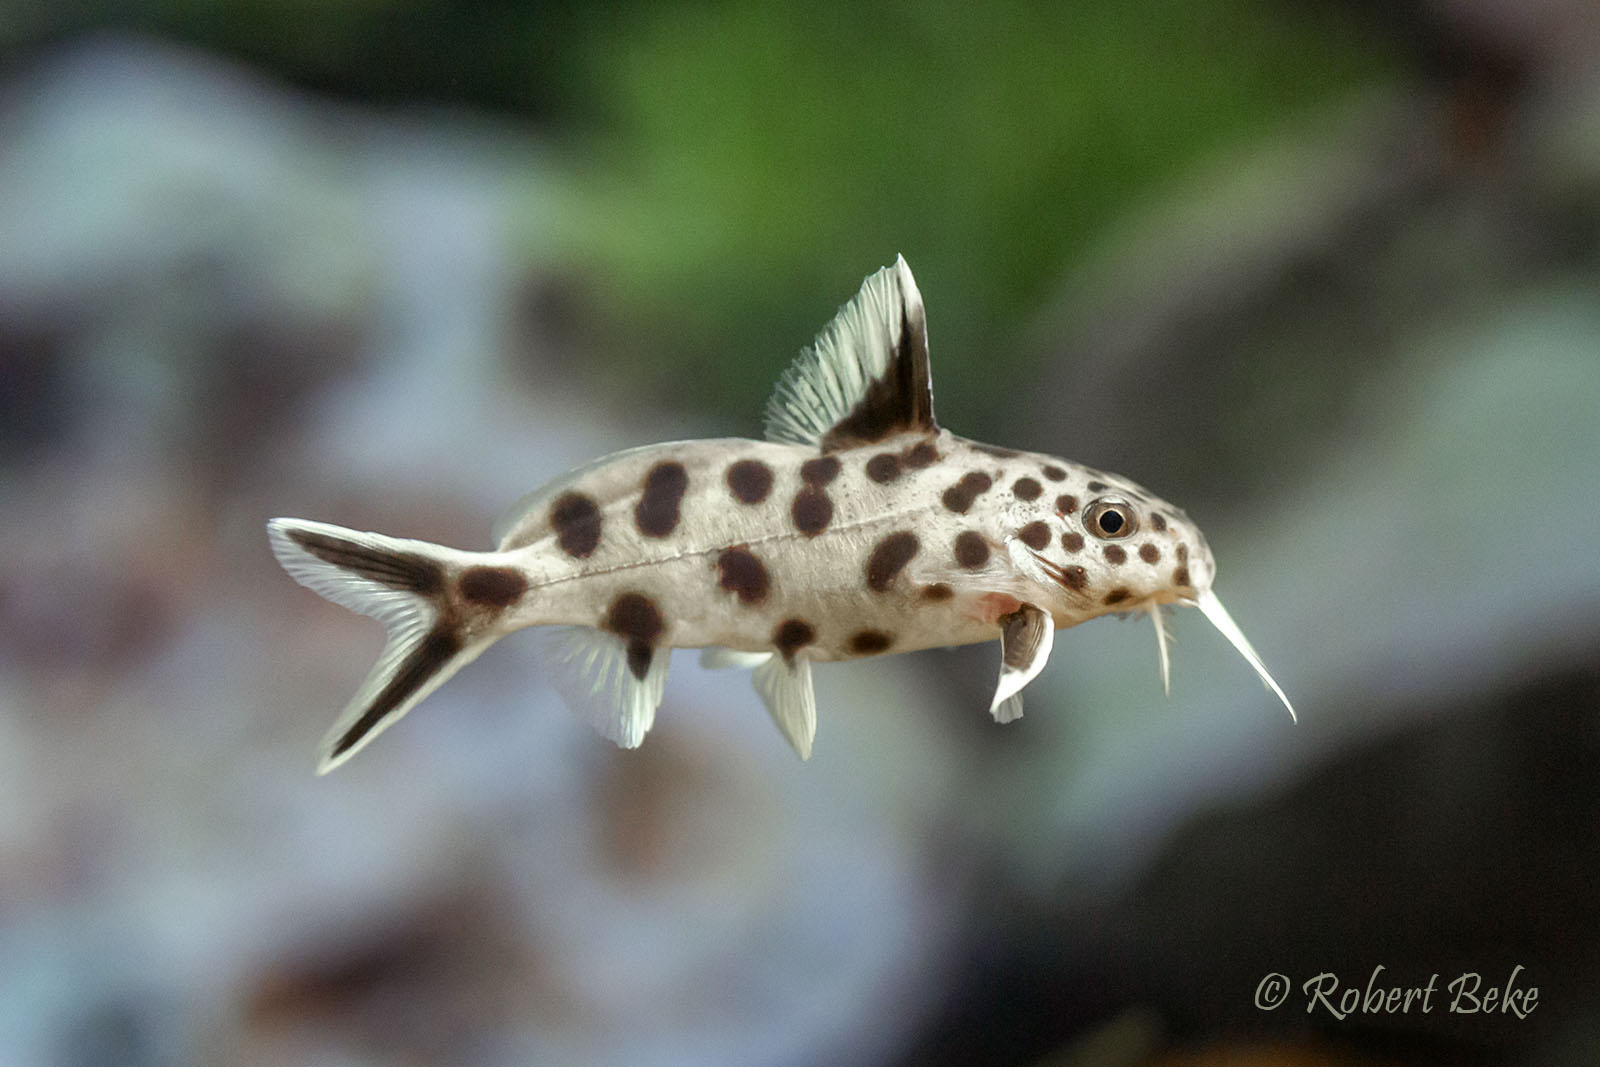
x=182, y=254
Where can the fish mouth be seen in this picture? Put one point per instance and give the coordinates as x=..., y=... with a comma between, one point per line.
x=1051, y=570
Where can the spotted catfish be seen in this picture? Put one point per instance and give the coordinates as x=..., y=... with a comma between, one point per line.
x=858, y=528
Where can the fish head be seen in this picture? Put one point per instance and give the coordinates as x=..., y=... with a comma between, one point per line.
x=1126, y=549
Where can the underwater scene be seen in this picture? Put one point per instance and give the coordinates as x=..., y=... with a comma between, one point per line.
x=1325, y=276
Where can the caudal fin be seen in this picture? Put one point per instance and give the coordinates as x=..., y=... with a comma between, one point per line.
x=406, y=585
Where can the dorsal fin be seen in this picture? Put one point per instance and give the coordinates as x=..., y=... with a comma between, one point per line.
x=865, y=377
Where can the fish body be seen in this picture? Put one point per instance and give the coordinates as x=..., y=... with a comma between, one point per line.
x=904, y=539
x=859, y=528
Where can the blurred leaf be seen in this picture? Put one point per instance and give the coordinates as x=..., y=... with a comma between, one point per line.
x=760, y=159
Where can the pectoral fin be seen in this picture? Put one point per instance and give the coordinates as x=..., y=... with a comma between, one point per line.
x=1009, y=709
x=1026, y=636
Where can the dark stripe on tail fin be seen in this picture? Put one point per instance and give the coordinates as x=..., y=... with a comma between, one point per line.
x=422, y=663
x=397, y=570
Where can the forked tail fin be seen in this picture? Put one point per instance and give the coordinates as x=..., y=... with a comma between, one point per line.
x=420, y=594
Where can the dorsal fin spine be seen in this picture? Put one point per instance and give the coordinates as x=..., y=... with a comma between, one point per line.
x=865, y=377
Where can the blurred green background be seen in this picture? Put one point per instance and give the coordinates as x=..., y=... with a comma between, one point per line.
x=726, y=170
x=1324, y=274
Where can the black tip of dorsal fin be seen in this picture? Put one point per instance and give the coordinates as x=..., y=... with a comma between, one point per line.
x=866, y=376
x=901, y=398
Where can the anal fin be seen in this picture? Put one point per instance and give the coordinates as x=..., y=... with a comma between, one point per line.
x=592, y=671
x=1026, y=636
x=785, y=687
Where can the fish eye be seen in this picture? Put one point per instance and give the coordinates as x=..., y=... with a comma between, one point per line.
x=1110, y=518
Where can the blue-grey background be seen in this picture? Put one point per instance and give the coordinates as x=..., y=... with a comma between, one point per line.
x=1325, y=274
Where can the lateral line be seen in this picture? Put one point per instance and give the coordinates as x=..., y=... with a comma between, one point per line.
x=765, y=540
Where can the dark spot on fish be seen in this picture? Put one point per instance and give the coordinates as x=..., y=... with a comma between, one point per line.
x=1149, y=553
x=1054, y=473
x=812, y=511
x=1183, y=553
x=889, y=558
x=883, y=468
x=1117, y=596
x=431, y=654
x=750, y=480
x=1158, y=521
x=820, y=471
x=664, y=486
x=1066, y=503
x=741, y=573
x=937, y=591
x=1027, y=489
x=1035, y=535
x=921, y=454
x=959, y=497
x=791, y=636
x=576, y=521
x=995, y=450
x=405, y=571
x=869, y=642
x=1115, y=554
x=1072, y=541
x=635, y=618
x=972, y=549
x=1095, y=487
x=495, y=587
x=1074, y=577
x=1180, y=576
x=639, y=657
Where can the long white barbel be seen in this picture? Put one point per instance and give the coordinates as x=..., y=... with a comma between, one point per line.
x=1212, y=608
